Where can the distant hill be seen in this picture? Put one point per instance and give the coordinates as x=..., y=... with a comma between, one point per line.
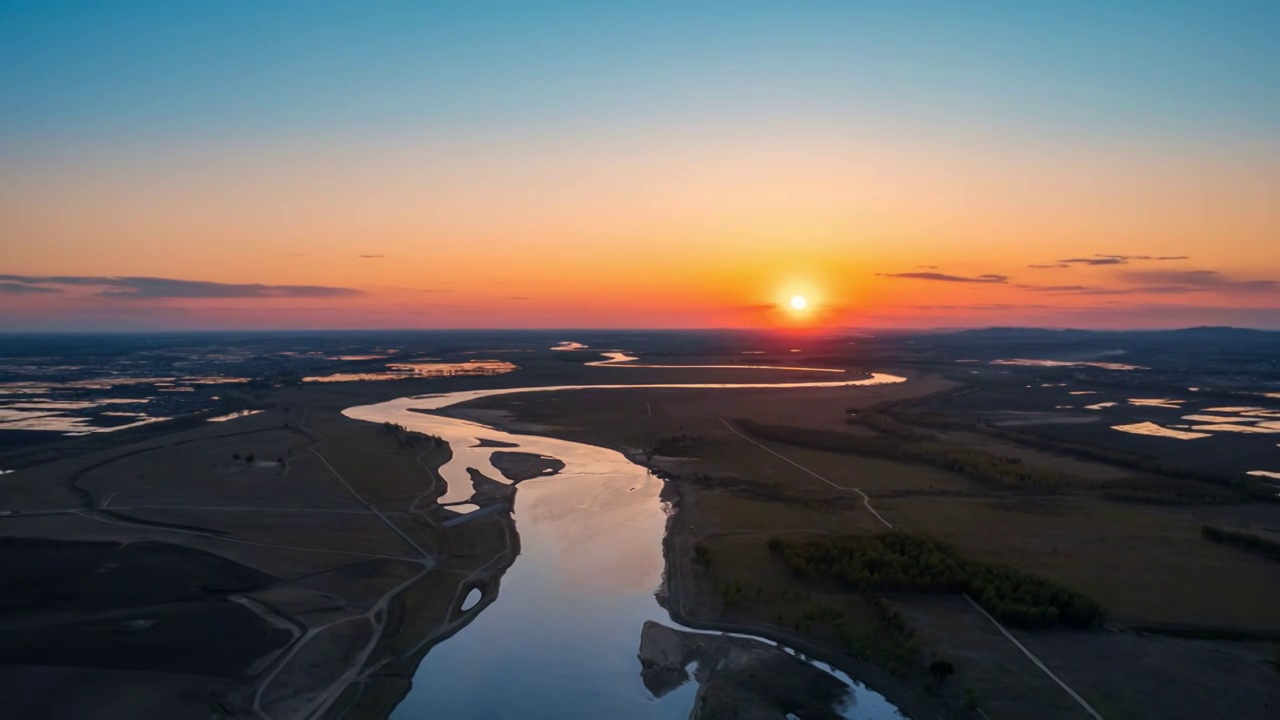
x=1206, y=333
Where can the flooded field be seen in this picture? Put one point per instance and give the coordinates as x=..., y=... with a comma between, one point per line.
x=1227, y=437
x=403, y=371
x=1027, y=362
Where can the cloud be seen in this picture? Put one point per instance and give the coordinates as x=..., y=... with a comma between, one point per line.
x=1090, y=290
x=518, y=297
x=1095, y=261
x=1198, y=281
x=979, y=306
x=152, y=287
x=370, y=257
x=1048, y=266
x=13, y=288
x=943, y=277
x=1112, y=259
x=1054, y=288
x=1166, y=282
x=927, y=267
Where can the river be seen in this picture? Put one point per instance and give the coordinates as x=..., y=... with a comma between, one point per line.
x=562, y=638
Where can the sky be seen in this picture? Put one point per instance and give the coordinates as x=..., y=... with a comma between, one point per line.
x=638, y=164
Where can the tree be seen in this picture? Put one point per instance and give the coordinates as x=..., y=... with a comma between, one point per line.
x=249, y=458
x=702, y=555
x=941, y=670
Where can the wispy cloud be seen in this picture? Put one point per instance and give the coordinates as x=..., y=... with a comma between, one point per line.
x=943, y=277
x=1199, y=280
x=978, y=307
x=1094, y=261
x=370, y=257
x=153, y=287
x=1166, y=282
x=1111, y=259
x=1054, y=288
x=13, y=288
x=1048, y=266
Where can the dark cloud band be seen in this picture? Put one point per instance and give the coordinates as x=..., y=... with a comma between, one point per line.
x=943, y=277
x=153, y=287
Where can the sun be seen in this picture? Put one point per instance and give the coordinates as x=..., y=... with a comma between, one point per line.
x=799, y=302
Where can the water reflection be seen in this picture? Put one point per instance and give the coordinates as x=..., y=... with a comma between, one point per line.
x=1150, y=428
x=560, y=641
x=622, y=359
x=401, y=371
x=739, y=677
x=1067, y=363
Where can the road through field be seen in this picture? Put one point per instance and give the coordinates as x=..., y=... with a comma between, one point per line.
x=867, y=502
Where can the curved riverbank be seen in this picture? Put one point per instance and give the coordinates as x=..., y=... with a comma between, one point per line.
x=676, y=589
x=677, y=551
x=583, y=588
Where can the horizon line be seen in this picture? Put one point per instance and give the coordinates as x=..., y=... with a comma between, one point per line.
x=846, y=328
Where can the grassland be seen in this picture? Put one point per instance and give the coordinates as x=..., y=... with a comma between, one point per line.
x=1051, y=515
x=337, y=573
x=334, y=576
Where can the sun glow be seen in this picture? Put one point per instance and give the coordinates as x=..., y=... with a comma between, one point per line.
x=798, y=302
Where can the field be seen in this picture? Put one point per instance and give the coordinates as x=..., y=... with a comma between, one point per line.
x=315, y=546
x=1147, y=564
x=321, y=600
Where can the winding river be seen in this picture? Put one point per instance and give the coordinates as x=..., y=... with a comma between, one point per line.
x=562, y=638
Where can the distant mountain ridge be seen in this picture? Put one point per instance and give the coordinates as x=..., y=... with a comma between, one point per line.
x=1204, y=332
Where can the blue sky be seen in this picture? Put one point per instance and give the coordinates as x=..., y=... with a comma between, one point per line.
x=206, y=70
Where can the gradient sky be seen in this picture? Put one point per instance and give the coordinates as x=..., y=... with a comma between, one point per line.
x=484, y=164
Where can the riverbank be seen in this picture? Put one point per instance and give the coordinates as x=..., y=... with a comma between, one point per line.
x=679, y=595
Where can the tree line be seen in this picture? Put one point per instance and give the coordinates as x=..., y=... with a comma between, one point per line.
x=907, y=562
x=411, y=438
x=1243, y=540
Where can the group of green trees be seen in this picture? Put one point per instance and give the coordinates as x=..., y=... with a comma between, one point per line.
x=906, y=562
x=1243, y=540
x=411, y=438
x=980, y=465
x=889, y=641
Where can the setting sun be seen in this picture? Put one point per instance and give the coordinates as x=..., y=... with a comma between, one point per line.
x=798, y=302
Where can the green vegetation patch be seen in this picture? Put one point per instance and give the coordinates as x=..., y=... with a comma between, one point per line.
x=1245, y=541
x=410, y=438
x=906, y=562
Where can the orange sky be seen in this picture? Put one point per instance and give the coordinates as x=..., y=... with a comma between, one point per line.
x=437, y=166
x=622, y=230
